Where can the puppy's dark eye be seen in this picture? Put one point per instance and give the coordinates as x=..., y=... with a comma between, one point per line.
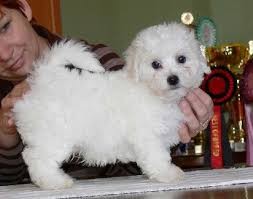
x=156, y=65
x=181, y=59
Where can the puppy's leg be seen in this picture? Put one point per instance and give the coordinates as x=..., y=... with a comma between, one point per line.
x=44, y=167
x=155, y=162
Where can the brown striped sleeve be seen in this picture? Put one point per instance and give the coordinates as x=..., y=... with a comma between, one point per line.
x=107, y=57
x=12, y=167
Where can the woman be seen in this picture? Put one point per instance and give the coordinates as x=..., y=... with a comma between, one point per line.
x=21, y=42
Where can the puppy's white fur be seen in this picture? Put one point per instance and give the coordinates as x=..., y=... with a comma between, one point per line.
x=128, y=115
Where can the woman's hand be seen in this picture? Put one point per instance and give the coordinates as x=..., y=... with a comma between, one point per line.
x=8, y=132
x=197, y=107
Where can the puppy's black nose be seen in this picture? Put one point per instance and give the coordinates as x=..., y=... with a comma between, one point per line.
x=173, y=80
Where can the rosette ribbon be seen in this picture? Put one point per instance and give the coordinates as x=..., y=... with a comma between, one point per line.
x=220, y=84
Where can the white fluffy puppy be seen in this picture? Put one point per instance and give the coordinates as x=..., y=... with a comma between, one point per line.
x=128, y=115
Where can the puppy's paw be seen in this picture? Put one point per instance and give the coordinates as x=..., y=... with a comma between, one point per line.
x=172, y=175
x=54, y=182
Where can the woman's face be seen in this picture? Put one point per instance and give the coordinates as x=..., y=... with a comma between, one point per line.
x=19, y=44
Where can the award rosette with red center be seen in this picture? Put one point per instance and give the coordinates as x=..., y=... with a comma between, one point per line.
x=220, y=84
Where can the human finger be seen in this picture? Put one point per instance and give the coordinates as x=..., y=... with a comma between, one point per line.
x=184, y=134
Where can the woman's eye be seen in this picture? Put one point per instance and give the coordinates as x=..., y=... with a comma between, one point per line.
x=156, y=65
x=5, y=27
x=181, y=59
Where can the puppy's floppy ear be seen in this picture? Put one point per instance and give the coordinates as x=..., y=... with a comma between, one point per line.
x=202, y=68
x=203, y=62
x=190, y=32
x=132, y=61
x=202, y=58
x=207, y=69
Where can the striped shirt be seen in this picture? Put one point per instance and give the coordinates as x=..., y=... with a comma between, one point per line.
x=12, y=167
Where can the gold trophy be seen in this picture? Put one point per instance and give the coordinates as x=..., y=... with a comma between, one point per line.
x=234, y=57
x=199, y=142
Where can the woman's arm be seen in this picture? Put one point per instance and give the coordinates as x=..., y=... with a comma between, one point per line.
x=8, y=131
x=110, y=60
x=12, y=166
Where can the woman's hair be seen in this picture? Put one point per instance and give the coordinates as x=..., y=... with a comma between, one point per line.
x=13, y=4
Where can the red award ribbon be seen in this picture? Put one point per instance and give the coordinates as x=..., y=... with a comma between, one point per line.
x=220, y=85
x=216, y=147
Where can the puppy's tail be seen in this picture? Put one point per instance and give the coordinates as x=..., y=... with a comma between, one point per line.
x=69, y=52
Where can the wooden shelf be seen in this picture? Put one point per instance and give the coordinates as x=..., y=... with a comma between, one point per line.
x=189, y=161
x=239, y=157
x=197, y=161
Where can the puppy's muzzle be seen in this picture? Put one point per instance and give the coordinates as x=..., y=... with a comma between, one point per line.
x=173, y=80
